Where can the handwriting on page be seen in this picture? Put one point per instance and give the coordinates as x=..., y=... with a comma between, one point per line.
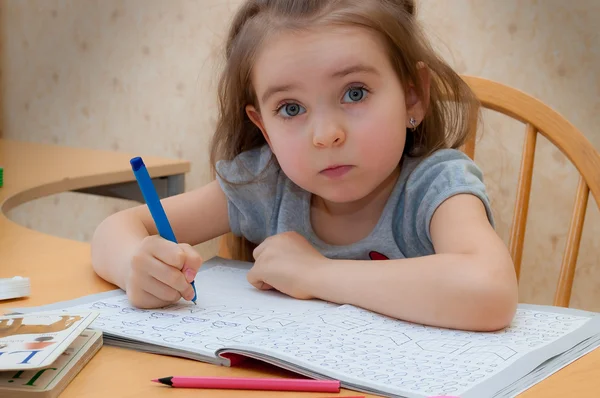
x=351, y=343
x=228, y=308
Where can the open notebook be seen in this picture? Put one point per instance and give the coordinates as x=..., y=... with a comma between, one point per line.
x=366, y=351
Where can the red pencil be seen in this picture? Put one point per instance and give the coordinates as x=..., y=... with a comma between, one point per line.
x=231, y=383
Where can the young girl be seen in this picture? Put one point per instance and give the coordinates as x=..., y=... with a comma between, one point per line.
x=336, y=146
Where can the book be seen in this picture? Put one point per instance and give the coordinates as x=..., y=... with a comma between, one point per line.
x=50, y=381
x=35, y=340
x=15, y=287
x=364, y=350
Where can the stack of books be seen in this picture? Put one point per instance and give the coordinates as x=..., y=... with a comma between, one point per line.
x=40, y=353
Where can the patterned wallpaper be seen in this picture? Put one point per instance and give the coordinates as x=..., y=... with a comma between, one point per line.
x=138, y=76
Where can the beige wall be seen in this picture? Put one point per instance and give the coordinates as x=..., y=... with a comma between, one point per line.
x=138, y=76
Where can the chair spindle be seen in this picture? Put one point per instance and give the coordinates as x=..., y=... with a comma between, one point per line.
x=519, y=223
x=567, y=269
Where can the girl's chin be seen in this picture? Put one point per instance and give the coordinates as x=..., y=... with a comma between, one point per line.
x=341, y=195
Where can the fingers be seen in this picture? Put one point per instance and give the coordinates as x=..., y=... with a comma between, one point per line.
x=164, y=250
x=260, y=285
x=160, y=290
x=164, y=270
x=255, y=279
x=259, y=249
x=143, y=299
x=192, y=261
x=169, y=276
x=254, y=276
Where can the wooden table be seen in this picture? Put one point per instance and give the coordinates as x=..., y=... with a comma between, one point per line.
x=60, y=269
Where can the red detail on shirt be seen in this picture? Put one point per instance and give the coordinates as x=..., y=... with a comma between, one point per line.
x=373, y=255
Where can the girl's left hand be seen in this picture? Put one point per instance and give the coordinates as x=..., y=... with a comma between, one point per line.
x=285, y=262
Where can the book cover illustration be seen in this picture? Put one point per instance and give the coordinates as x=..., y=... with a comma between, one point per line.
x=31, y=341
x=59, y=374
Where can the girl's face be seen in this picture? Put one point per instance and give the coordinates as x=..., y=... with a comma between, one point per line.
x=332, y=109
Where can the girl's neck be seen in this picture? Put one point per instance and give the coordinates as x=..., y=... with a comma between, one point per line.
x=331, y=220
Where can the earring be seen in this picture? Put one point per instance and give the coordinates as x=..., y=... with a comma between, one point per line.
x=413, y=123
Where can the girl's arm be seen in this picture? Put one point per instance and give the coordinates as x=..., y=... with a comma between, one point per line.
x=195, y=216
x=470, y=282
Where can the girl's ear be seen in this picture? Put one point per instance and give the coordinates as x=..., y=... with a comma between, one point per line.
x=416, y=107
x=255, y=117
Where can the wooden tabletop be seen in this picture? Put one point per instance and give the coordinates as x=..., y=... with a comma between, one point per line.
x=60, y=269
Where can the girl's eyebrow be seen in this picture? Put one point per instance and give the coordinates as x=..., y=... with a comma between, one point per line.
x=357, y=68
x=277, y=89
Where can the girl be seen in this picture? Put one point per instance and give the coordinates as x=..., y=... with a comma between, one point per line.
x=336, y=146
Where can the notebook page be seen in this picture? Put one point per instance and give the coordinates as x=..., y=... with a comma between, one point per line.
x=227, y=309
x=377, y=353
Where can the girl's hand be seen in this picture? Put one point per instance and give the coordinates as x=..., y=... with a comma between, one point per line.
x=286, y=262
x=160, y=273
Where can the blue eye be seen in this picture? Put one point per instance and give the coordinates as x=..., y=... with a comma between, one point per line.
x=291, y=109
x=355, y=94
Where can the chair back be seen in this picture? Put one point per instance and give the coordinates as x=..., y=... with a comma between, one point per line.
x=539, y=118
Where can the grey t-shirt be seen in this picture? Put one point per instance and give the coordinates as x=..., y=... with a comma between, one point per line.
x=274, y=204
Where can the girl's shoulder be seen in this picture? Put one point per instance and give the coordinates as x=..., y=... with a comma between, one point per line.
x=446, y=156
x=249, y=166
x=250, y=183
x=427, y=183
x=444, y=166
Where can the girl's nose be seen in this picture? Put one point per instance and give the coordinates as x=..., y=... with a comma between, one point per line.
x=329, y=136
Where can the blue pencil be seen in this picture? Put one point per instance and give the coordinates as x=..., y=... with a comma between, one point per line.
x=153, y=202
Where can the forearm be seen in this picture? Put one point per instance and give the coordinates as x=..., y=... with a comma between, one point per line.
x=446, y=290
x=113, y=244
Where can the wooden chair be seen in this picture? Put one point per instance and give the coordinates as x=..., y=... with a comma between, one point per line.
x=538, y=118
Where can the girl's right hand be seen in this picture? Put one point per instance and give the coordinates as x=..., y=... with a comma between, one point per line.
x=160, y=273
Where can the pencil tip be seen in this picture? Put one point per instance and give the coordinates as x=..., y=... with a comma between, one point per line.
x=155, y=380
x=166, y=380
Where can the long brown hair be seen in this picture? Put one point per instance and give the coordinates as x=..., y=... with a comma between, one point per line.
x=452, y=107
